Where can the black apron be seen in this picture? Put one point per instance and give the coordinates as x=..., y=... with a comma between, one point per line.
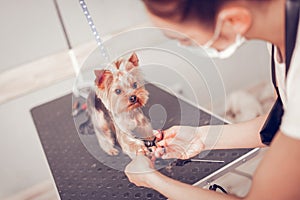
x=273, y=121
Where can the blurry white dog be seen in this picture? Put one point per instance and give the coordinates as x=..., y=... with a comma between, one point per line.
x=242, y=106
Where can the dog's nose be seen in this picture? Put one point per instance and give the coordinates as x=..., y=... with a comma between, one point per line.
x=132, y=99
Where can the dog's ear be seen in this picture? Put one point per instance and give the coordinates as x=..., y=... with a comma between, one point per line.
x=118, y=63
x=133, y=61
x=103, y=79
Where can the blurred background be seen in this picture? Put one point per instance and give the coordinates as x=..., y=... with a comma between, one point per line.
x=35, y=67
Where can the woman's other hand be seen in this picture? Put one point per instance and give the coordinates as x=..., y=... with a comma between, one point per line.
x=140, y=171
x=181, y=142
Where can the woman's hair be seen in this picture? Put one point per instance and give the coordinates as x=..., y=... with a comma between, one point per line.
x=203, y=10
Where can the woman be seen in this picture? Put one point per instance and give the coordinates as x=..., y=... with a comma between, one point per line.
x=223, y=25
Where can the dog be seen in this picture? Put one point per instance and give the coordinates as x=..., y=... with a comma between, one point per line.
x=115, y=107
x=242, y=106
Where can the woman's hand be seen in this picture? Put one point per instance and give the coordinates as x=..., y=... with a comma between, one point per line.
x=140, y=171
x=181, y=142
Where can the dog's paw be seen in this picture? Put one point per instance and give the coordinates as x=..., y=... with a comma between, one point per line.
x=109, y=148
x=113, y=152
x=137, y=146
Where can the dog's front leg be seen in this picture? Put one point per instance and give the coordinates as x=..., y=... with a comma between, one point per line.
x=130, y=145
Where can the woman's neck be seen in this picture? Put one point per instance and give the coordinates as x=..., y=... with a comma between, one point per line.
x=269, y=25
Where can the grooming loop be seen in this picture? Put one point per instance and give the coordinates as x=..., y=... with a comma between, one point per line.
x=94, y=30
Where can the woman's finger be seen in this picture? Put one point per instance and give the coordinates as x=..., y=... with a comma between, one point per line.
x=162, y=143
x=172, y=154
x=168, y=135
x=170, y=141
x=159, y=152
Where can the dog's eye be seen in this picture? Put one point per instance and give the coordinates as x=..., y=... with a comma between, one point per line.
x=118, y=91
x=134, y=85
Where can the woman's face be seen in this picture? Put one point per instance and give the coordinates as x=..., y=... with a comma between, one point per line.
x=190, y=31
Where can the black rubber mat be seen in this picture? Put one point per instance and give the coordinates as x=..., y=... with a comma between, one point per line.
x=79, y=175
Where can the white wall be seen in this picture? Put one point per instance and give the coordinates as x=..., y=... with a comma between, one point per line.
x=30, y=29
x=109, y=16
x=248, y=66
x=213, y=80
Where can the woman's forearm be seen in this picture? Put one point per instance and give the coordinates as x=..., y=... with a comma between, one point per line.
x=268, y=181
x=242, y=135
x=174, y=190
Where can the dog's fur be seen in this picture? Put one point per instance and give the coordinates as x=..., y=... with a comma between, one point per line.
x=242, y=106
x=115, y=107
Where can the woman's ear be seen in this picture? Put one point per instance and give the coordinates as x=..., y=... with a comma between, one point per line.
x=237, y=18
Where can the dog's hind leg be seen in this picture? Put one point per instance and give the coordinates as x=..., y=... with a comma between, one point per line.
x=103, y=133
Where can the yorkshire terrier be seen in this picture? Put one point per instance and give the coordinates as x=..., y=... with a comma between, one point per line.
x=115, y=108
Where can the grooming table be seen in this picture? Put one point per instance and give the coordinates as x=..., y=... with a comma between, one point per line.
x=79, y=175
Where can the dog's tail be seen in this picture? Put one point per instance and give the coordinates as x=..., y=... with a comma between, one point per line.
x=86, y=127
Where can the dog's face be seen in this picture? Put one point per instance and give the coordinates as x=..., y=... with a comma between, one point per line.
x=121, y=89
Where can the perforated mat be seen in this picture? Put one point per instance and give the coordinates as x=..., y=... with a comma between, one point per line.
x=79, y=175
